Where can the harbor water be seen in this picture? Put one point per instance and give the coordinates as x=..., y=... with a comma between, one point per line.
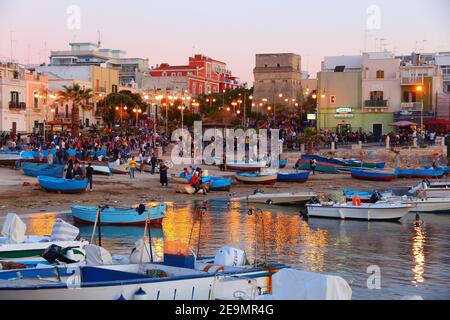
x=409, y=259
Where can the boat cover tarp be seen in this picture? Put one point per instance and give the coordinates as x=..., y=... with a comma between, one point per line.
x=63, y=231
x=97, y=256
x=291, y=284
x=14, y=229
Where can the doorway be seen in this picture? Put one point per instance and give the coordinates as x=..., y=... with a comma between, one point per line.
x=377, y=129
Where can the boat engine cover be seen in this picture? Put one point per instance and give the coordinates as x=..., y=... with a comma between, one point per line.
x=230, y=257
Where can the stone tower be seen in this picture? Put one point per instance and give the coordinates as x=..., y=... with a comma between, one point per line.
x=275, y=74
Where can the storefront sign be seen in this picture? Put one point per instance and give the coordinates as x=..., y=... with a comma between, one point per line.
x=343, y=112
x=311, y=116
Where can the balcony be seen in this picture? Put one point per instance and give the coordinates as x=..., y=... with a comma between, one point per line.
x=100, y=89
x=411, y=106
x=412, y=81
x=63, y=116
x=17, y=105
x=376, y=103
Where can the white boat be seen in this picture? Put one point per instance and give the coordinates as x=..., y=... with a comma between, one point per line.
x=424, y=190
x=118, y=168
x=268, y=178
x=228, y=276
x=246, y=166
x=99, y=167
x=429, y=205
x=14, y=244
x=276, y=198
x=369, y=211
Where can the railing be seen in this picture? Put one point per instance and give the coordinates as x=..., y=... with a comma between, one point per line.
x=17, y=105
x=100, y=89
x=63, y=116
x=376, y=103
x=412, y=81
x=411, y=106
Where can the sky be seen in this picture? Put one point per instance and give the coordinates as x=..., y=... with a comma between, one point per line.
x=232, y=31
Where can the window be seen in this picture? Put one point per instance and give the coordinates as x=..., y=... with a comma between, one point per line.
x=200, y=89
x=376, y=95
x=15, y=97
x=36, y=124
x=380, y=74
x=278, y=65
x=36, y=100
x=164, y=74
x=265, y=66
x=180, y=74
x=409, y=96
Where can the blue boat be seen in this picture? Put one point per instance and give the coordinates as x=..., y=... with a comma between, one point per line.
x=374, y=175
x=220, y=184
x=323, y=159
x=421, y=173
x=48, y=170
x=118, y=216
x=363, y=195
x=299, y=176
x=62, y=185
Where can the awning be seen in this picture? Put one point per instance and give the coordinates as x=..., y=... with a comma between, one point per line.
x=403, y=124
x=437, y=122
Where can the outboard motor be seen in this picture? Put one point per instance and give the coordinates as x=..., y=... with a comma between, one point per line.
x=375, y=197
x=54, y=254
x=314, y=200
x=141, y=209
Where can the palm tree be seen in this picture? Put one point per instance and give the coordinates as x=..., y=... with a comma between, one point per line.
x=310, y=137
x=86, y=97
x=78, y=96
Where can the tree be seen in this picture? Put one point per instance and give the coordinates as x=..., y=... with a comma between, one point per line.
x=108, y=105
x=78, y=96
x=310, y=137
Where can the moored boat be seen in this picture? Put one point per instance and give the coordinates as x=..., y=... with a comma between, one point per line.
x=276, y=198
x=220, y=184
x=100, y=167
x=429, y=205
x=304, y=165
x=374, y=175
x=365, y=196
x=246, y=166
x=369, y=212
x=62, y=185
x=295, y=176
x=118, y=216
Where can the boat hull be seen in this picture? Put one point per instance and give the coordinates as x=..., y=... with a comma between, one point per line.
x=293, y=177
x=373, y=175
x=431, y=205
x=56, y=171
x=118, y=217
x=62, y=185
x=277, y=198
x=262, y=180
x=32, y=250
x=368, y=213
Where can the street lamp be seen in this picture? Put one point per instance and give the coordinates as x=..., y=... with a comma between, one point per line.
x=419, y=88
x=137, y=111
x=121, y=108
x=181, y=108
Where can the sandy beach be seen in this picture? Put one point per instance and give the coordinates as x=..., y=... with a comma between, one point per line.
x=120, y=190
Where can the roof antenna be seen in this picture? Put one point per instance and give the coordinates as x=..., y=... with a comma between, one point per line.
x=99, y=42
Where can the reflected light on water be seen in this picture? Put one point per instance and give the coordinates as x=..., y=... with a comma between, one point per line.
x=418, y=243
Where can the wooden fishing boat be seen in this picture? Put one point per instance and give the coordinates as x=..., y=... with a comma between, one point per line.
x=420, y=173
x=359, y=164
x=118, y=216
x=369, y=212
x=323, y=160
x=256, y=178
x=118, y=168
x=48, y=170
x=296, y=176
x=374, y=175
x=62, y=185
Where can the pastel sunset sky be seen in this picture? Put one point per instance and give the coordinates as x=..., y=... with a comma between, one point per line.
x=232, y=31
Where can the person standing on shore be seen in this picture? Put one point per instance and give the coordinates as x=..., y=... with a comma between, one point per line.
x=313, y=165
x=153, y=161
x=89, y=175
x=163, y=174
x=132, y=167
x=69, y=173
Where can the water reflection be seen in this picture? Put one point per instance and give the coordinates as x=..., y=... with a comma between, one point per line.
x=345, y=248
x=418, y=244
